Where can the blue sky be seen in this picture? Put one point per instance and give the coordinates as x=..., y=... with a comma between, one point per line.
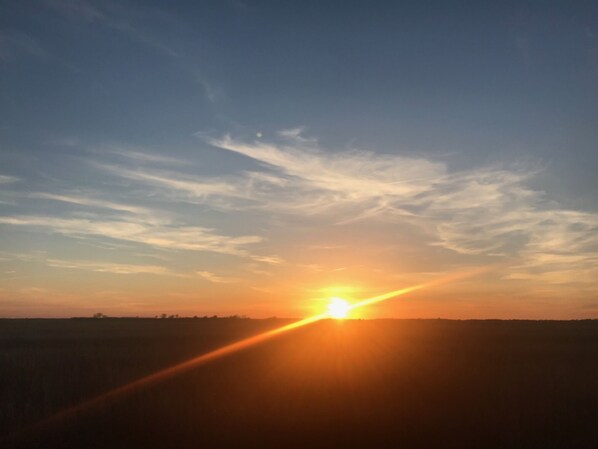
x=251, y=157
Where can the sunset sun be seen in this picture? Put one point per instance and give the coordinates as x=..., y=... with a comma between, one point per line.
x=338, y=308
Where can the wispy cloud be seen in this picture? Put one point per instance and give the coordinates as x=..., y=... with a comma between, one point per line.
x=140, y=25
x=273, y=260
x=113, y=15
x=88, y=265
x=211, y=277
x=5, y=179
x=212, y=92
x=139, y=155
x=173, y=237
x=485, y=213
x=109, y=267
x=93, y=202
x=176, y=182
x=328, y=181
x=134, y=224
x=488, y=211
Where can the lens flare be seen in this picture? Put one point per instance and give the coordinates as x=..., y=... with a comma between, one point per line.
x=337, y=308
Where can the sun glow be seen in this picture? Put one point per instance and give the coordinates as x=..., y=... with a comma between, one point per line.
x=338, y=308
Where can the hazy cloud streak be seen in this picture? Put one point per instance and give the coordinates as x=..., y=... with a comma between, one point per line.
x=486, y=211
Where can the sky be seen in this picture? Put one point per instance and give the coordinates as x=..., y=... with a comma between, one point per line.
x=256, y=158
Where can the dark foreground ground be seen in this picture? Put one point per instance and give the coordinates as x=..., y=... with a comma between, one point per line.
x=353, y=384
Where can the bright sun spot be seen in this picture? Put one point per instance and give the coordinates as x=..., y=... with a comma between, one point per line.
x=338, y=308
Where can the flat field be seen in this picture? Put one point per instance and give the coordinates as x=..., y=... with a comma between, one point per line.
x=332, y=384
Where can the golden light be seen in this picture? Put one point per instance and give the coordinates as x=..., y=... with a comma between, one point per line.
x=338, y=308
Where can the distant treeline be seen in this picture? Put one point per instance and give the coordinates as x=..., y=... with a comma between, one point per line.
x=163, y=316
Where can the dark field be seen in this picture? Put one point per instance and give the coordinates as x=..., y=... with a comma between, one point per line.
x=363, y=384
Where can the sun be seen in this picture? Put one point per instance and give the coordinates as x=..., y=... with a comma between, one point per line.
x=338, y=308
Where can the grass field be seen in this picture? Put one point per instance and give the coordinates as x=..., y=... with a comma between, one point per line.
x=361, y=384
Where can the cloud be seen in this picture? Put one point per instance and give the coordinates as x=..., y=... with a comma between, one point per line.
x=89, y=265
x=109, y=267
x=92, y=202
x=296, y=135
x=329, y=181
x=148, y=26
x=5, y=179
x=292, y=133
x=134, y=224
x=273, y=260
x=487, y=211
x=176, y=182
x=482, y=212
x=212, y=93
x=168, y=236
x=211, y=277
x=562, y=249
x=358, y=174
x=140, y=155
x=482, y=215
x=115, y=16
